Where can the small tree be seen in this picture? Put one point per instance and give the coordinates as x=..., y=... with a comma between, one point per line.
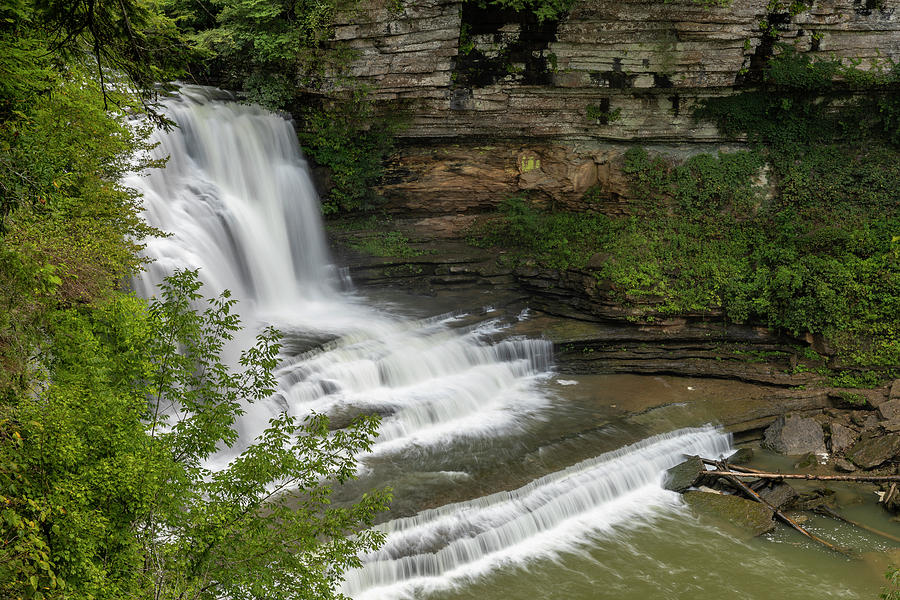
x=105, y=489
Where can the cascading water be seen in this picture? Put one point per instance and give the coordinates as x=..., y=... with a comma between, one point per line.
x=237, y=202
x=556, y=512
x=239, y=205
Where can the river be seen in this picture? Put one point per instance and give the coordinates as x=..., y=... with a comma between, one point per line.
x=510, y=481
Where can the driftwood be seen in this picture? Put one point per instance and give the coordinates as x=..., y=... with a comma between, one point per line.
x=730, y=466
x=735, y=471
x=732, y=476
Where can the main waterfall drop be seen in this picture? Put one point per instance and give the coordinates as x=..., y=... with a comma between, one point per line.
x=457, y=399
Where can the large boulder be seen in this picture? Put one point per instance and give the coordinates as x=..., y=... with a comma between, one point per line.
x=795, y=435
x=750, y=518
x=684, y=475
x=871, y=452
x=842, y=437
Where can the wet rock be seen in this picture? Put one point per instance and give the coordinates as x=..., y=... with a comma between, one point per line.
x=890, y=410
x=871, y=452
x=741, y=457
x=752, y=518
x=843, y=465
x=814, y=499
x=842, y=437
x=795, y=435
x=684, y=475
x=808, y=460
x=777, y=494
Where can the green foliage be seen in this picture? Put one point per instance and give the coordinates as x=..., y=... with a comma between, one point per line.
x=543, y=10
x=348, y=140
x=823, y=250
x=892, y=590
x=853, y=400
x=130, y=46
x=390, y=243
x=596, y=112
x=67, y=228
x=818, y=257
x=702, y=184
x=268, y=48
x=105, y=487
x=805, y=103
x=101, y=494
x=558, y=239
x=797, y=71
x=856, y=379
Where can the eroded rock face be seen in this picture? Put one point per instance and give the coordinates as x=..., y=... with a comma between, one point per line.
x=572, y=93
x=473, y=178
x=613, y=70
x=794, y=435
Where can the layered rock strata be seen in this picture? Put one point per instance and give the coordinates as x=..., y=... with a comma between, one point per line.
x=498, y=102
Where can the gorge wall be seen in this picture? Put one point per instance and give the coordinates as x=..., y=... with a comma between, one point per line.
x=496, y=102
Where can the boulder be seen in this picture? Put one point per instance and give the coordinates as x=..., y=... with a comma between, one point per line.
x=894, y=394
x=871, y=422
x=795, y=435
x=777, y=494
x=842, y=437
x=871, y=452
x=890, y=410
x=843, y=465
x=684, y=475
x=741, y=456
x=751, y=518
x=814, y=499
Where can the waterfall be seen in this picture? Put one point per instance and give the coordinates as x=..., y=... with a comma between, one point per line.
x=237, y=202
x=435, y=548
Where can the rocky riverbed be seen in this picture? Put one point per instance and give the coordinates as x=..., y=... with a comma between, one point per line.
x=676, y=371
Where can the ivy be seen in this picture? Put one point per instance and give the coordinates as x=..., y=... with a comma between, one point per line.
x=347, y=139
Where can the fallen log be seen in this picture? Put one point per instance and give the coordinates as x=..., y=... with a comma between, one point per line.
x=730, y=466
x=730, y=475
x=807, y=476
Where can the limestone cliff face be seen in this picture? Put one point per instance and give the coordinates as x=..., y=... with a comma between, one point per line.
x=499, y=103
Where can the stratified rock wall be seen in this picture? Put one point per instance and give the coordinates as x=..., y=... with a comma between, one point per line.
x=499, y=103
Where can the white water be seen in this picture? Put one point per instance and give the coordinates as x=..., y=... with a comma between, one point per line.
x=439, y=548
x=240, y=206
